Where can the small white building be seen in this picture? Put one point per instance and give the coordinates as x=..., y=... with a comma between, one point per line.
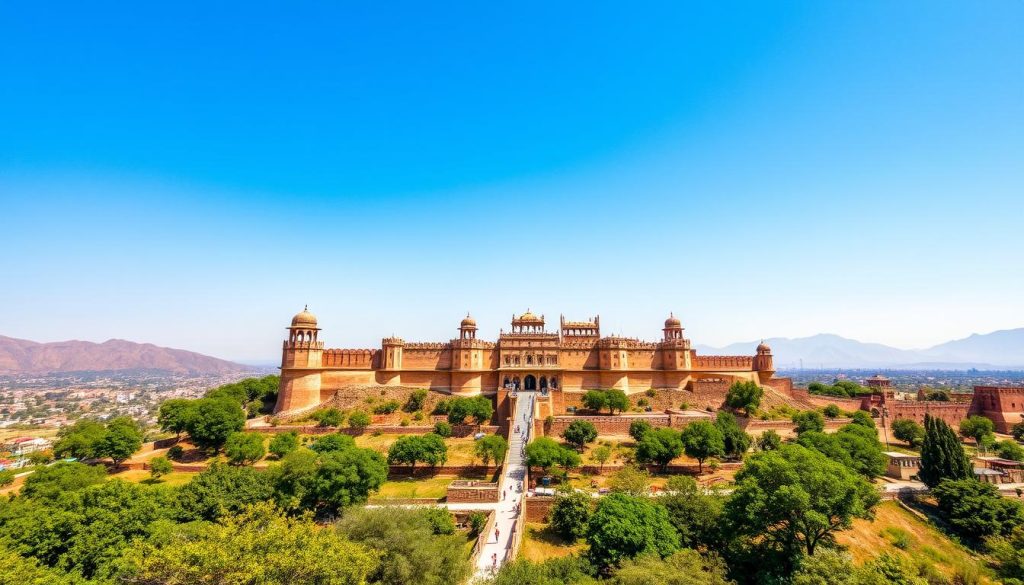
x=22, y=446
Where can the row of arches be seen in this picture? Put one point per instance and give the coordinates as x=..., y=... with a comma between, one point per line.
x=530, y=382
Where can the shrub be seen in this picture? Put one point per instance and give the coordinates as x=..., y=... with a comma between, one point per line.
x=899, y=537
x=284, y=443
x=404, y=422
x=6, y=477
x=440, y=519
x=418, y=415
x=832, y=411
x=769, y=441
x=159, y=466
x=570, y=514
x=416, y=400
x=809, y=420
x=359, y=420
x=329, y=417
x=476, y=521
x=651, y=393
x=386, y=407
x=443, y=429
x=176, y=452
x=579, y=433
x=638, y=428
x=244, y=448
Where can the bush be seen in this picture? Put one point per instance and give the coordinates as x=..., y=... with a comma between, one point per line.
x=386, y=407
x=416, y=400
x=6, y=477
x=440, y=519
x=908, y=431
x=638, y=428
x=832, y=411
x=244, y=448
x=284, y=443
x=359, y=420
x=570, y=513
x=651, y=393
x=769, y=441
x=159, y=466
x=476, y=521
x=809, y=420
x=175, y=453
x=443, y=429
x=899, y=537
x=579, y=433
x=329, y=417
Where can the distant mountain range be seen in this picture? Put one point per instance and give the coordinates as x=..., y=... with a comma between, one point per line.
x=20, y=356
x=996, y=350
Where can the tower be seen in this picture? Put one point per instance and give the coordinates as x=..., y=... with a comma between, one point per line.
x=674, y=345
x=764, y=365
x=301, y=359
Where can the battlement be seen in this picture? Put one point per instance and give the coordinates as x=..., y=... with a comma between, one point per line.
x=723, y=362
x=625, y=343
x=425, y=345
x=350, y=358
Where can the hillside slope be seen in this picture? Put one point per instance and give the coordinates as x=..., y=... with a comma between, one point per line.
x=20, y=356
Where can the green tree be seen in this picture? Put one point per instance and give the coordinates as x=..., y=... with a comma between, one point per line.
x=545, y=452
x=79, y=440
x=630, y=480
x=212, y=421
x=601, y=454
x=329, y=417
x=831, y=411
x=623, y=527
x=596, y=400
x=174, y=414
x=359, y=420
x=222, y=490
x=809, y=420
x=159, y=466
x=684, y=567
x=796, y=495
x=570, y=513
x=411, y=551
x=616, y=400
x=1018, y=431
x=769, y=441
x=942, y=455
x=579, y=433
x=259, y=546
x=659, y=446
x=477, y=521
x=50, y=482
x=1009, y=555
x=121, y=439
x=284, y=443
x=638, y=428
x=333, y=442
x=701, y=440
x=570, y=570
x=976, y=427
x=886, y=569
x=736, y=440
x=491, y=447
x=443, y=429
x=244, y=448
x=1008, y=449
x=745, y=396
x=696, y=516
x=410, y=449
x=864, y=448
x=326, y=482
x=6, y=477
x=827, y=566
x=862, y=418
x=478, y=408
x=416, y=400
x=908, y=431
x=975, y=509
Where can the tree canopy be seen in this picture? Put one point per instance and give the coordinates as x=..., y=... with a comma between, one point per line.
x=659, y=446
x=478, y=408
x=613, y=400
x=212, y=420
x=624, y=526
x=745, y=396
x=491, y=448
x=545, y=452
x=908, y=431
x=795, y=494
x=579, y=433
x=942, y=455
x=410, y=449
x=809, y=420
x=701, y=440
x=244, y=448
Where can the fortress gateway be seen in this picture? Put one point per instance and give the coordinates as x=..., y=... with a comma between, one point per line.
x=571, y=360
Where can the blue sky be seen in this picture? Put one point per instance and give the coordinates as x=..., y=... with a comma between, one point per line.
x=191, y=174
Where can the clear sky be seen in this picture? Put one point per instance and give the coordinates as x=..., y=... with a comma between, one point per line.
x=192, y=174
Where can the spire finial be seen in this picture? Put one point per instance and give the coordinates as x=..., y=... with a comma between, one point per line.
x=306, y=308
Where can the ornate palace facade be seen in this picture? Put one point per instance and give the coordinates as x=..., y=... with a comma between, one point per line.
x=574, y=358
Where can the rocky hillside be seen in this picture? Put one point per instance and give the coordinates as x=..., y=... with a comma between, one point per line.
x=20, y=356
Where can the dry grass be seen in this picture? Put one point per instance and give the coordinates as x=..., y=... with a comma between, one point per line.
x=540, y=543
x=175, y=478
x=431, y=487
x=897, y=531
x=460, y=450
x=41, y=432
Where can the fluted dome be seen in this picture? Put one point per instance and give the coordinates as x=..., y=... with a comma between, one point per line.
x=763, y=348
x=304, y=319
x=673, y=322
x=468, y=322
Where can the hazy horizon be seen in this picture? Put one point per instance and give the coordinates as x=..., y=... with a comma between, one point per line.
x=193, y=178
